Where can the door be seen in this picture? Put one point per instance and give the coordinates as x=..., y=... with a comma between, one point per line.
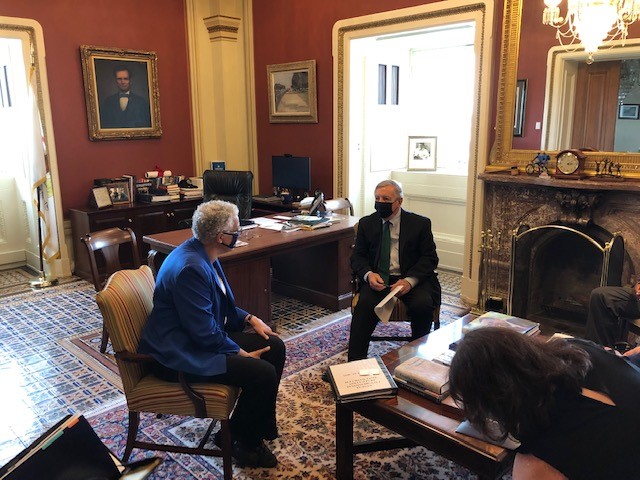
x=596, y=105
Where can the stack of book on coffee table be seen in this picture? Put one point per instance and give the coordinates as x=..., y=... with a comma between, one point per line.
x=361, y=380
x=424, y=377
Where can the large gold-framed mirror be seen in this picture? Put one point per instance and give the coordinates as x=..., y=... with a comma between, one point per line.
x=505, y=154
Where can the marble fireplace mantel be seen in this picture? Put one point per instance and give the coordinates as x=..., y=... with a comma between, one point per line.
x=589, y=183
x=513, y=201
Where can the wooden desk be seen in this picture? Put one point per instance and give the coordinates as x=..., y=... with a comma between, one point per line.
x=419, y=420
x=309, y=265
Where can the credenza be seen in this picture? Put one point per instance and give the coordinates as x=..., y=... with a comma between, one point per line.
x=142, y=218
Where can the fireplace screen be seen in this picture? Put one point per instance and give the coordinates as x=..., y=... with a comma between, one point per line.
x=555, y=267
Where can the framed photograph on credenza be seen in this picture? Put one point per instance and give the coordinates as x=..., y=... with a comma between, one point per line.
x=100, y=197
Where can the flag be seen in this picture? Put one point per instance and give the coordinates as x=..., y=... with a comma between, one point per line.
x=41, y=180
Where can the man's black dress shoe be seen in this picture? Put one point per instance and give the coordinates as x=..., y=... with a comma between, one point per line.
x=258, y=456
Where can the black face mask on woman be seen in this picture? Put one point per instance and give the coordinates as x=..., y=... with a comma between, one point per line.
x=384, y=209
x=234, y=238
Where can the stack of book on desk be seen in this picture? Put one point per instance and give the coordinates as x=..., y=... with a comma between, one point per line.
x=361, y=380
x=191, y=192
x=424, y=377
x=154, y=197
x=310, y=222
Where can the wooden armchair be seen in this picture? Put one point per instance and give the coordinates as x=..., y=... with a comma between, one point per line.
x=126, y=302
x=106, y=257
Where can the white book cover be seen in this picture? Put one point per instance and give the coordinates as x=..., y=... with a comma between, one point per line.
x=361, y=379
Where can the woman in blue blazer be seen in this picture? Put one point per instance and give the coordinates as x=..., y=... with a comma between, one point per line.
x=195, y=327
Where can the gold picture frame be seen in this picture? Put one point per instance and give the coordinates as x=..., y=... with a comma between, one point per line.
x=292, y=92
x=111, y=73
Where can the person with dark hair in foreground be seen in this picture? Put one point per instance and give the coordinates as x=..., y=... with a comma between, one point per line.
x=572, y=404
x=195, y=327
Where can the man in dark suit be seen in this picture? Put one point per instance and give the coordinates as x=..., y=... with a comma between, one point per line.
x=124, y=109
x=394, y=248
x=195, y=327
x=610, y=308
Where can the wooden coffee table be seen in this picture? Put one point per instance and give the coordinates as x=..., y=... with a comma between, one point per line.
x=418, y=420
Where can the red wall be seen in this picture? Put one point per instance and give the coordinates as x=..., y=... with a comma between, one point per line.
x=148, y=25
x=286, y=31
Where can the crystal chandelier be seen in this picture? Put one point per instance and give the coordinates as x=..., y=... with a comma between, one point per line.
x=591, y=22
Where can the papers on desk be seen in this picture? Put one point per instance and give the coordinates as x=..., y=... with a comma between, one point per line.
x=268, y=223
x=385, y=307
x=240, y=243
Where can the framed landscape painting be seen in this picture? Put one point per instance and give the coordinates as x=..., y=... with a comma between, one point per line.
x=292, y=92
x=121, y=93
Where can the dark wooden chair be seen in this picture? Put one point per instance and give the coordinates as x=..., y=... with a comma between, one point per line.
x=339, y=205
x=106, y=258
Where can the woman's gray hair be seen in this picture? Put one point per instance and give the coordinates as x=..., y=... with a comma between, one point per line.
x=212, y=218
x=397, y=186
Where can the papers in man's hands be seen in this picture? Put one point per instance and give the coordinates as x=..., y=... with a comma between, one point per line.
x=385, y=307
x=361, y=380
x=510, y=443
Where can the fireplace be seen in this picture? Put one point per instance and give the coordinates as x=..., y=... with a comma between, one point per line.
x=554, y=268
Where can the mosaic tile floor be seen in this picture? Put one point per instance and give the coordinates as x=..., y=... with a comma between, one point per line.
x=43, y=381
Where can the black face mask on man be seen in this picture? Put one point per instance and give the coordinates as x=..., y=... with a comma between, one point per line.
x=234, y=238
x=384, y=209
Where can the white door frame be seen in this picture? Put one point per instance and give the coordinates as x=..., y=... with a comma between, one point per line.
x=61, y=266
x=418, y=18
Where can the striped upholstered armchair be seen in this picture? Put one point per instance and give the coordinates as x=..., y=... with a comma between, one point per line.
x=125, y=303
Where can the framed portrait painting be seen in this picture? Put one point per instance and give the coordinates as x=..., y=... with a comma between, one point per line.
x=292, y=92
x=121, y=93
x=422, y=154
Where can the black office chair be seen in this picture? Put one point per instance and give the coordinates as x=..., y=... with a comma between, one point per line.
x=229, y=185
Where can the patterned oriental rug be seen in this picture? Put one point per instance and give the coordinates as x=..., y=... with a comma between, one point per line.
x=306, y=419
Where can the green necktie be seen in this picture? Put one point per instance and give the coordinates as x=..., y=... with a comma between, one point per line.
x=385, y=253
